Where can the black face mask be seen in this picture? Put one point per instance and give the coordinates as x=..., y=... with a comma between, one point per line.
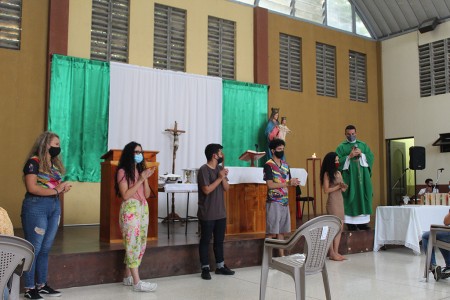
x=54, y=151
x=279, y=154
x=219, y=160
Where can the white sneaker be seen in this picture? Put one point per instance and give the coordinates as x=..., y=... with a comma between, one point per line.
x=143, y=286
x=128, y=281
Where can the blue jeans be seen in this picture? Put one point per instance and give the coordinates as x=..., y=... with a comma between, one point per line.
x=40, y=220
x=441, y=236
x=208, y=228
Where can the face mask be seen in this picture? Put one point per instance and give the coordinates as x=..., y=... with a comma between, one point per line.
x=337, y=164
x=54, y=151
x=279, y=154
x=138, y=158
x=351, y=138
x=219, y=160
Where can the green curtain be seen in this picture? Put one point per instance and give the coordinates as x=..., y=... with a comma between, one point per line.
x=244, y=120
x=78, y=113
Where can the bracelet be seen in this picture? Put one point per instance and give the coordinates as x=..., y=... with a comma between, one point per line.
x=57, y=193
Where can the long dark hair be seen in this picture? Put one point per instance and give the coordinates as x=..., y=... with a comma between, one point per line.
x=329, y=167
x=126, y=162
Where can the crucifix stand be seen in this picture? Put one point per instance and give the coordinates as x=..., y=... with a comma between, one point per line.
x=173, y=216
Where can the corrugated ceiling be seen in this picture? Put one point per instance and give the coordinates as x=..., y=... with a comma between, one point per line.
x=388, y=18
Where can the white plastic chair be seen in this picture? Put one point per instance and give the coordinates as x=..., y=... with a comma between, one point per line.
x=318, y=234
x=433, y=242
x=16, y=256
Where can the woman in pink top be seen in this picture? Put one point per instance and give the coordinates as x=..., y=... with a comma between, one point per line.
x=132, y=186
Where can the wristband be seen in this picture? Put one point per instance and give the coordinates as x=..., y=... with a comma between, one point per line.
x=57, y=193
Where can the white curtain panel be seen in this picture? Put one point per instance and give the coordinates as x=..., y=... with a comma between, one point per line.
x=145, y=101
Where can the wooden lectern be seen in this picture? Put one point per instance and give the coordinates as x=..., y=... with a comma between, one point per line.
x=251, y=156
x=110, y=203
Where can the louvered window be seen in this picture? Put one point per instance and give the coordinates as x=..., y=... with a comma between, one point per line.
x=221, y=45
x=10, y=23
x=434, y=68
x=312, y=10
x=290, y=62
x=357, y=72
x=169, y=38
x=325, y=70
x=109, y=32
x=281, y=6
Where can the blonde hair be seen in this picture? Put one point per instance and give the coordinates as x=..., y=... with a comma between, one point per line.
x=40, y=150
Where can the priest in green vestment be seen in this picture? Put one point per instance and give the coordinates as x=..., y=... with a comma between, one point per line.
x=355, y=164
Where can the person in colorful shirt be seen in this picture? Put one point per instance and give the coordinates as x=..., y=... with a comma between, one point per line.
x=132, y=186
x=278, y=177
x=41, y=209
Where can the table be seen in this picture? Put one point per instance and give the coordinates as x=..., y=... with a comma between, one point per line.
x=172, y=188
x=404, y=225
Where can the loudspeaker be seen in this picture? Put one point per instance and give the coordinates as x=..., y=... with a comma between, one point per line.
x=417, y=158
x=428, y=25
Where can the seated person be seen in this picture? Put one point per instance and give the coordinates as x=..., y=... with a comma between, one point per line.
x=429, y=188
x=6, y=228
x=437, y=271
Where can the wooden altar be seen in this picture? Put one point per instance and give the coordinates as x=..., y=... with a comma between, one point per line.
x=110, y=203
x=246, y=208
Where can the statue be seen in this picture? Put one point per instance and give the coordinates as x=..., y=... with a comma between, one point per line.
x=175, y=132
x=176, y=143
x=272, y=129
x=283, y=129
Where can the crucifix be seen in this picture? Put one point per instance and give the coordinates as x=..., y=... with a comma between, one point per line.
x=175, y=132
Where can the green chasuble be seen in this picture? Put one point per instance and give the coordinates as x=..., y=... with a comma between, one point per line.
x=358, y=196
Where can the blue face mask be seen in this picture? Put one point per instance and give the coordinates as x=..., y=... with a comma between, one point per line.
x=138, y=158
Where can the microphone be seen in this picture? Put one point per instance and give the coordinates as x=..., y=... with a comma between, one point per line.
x=441, y=169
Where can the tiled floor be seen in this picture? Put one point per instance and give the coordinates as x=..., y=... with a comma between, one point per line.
x=392, y=274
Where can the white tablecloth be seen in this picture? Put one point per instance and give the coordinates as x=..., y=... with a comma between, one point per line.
x=238, y=175
x=181, y=188
x=404, y=225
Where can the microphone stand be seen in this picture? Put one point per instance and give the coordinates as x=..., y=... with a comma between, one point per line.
x=398, y=180
x=437, y=180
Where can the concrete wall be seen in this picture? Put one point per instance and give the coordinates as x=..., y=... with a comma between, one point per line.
x=405, y=112
x=22, y=102
x=318, y=122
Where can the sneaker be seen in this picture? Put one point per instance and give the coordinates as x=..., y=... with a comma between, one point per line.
x=32, y=294
x=437, y=273
x=143, y=286
x=48, y=291
x=224, y=271
x=445, y=273
x=205, y=273
x=128, y=281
